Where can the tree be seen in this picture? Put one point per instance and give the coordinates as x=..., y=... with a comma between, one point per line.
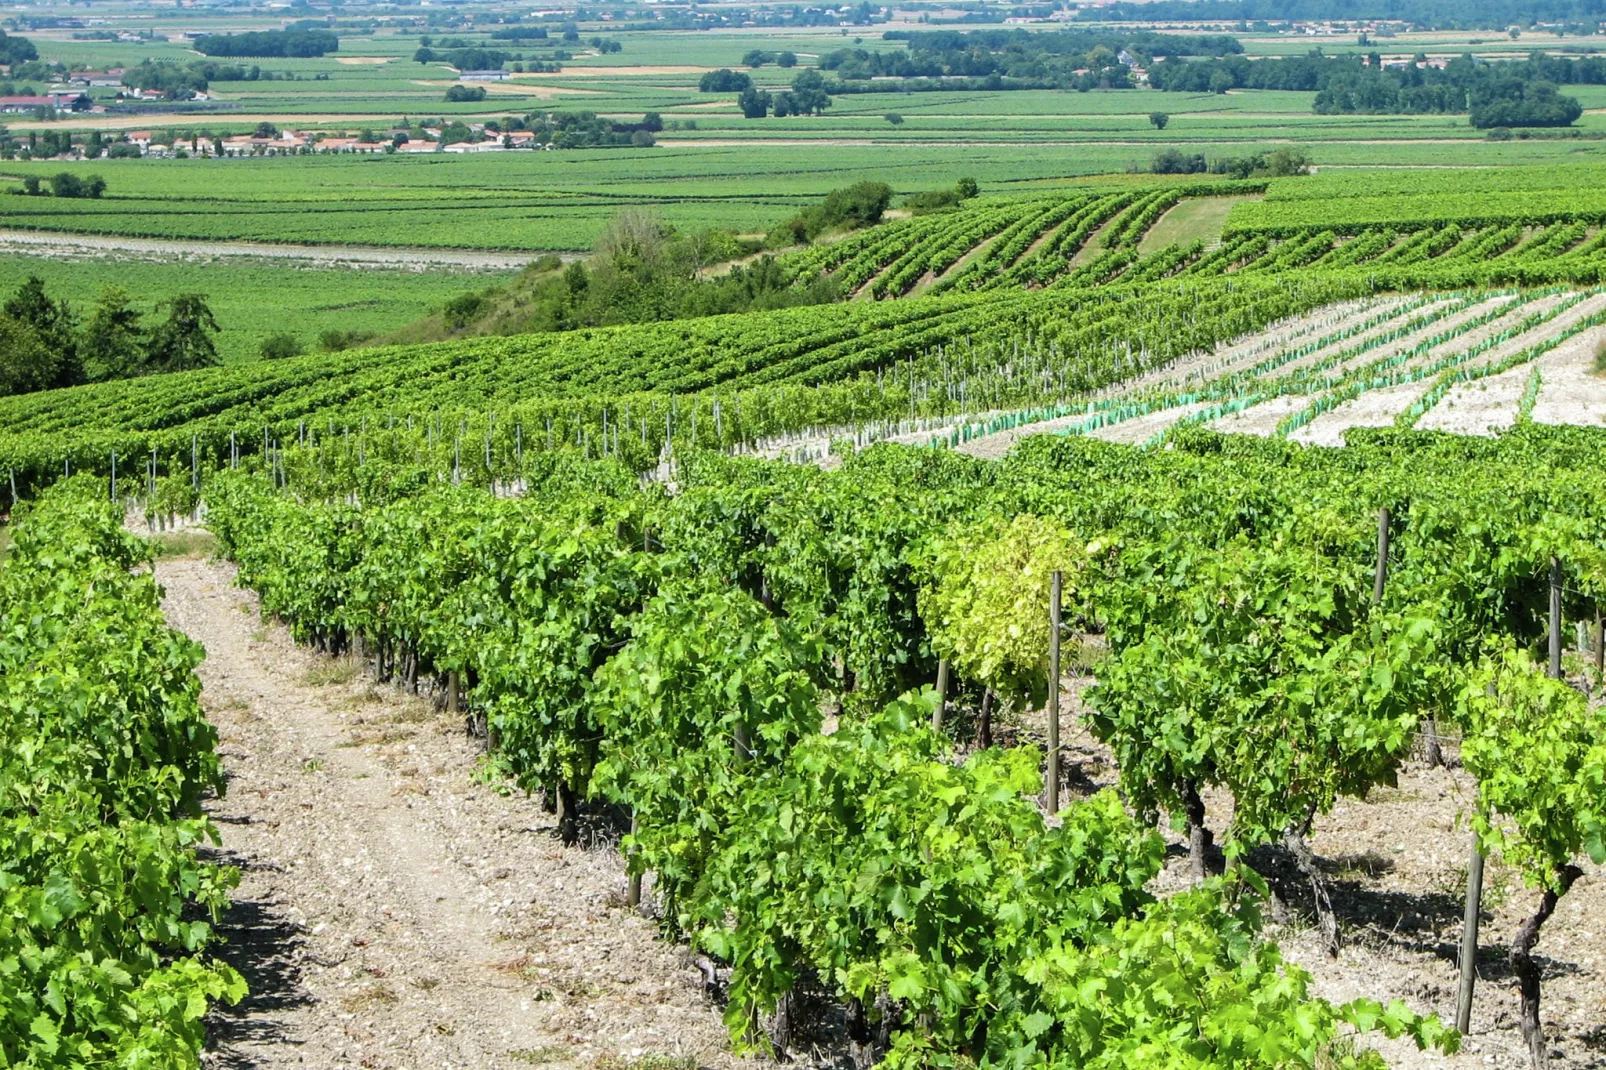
x=30, y=185
x=808, y=93
x=279, y=346
x=1220, y=82
x=266, y=130
x=894, y=118
x=26, y=363
x=66, y=184
x=643, y=139
x=184, y=342
x=756, y=58
x=754, y=103
x=967, y=188
x=786, y=59
x=576, y=280
x=54, y=326
x=1175, y=162
x=652, y=122
x=1158, y=119
x=94, y=186
x=724, y=80
x=112, y=344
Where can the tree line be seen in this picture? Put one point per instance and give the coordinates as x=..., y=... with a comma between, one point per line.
x=1014, y=59
x=1584, y=15
x=44, y=345
x=1499, y=93
x=299, y=43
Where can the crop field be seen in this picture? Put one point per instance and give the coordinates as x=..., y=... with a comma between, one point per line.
x=940, y=304
x=252, y=300
x=1094, y=616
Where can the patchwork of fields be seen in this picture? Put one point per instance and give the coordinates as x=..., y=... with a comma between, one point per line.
x=651, y=576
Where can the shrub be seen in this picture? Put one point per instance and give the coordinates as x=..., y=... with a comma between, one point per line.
x=279, y=346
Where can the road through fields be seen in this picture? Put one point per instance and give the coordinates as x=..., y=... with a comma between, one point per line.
x=41, y=243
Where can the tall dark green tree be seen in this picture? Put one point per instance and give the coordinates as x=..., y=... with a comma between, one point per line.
x=26, y=362
x=184, y=342
x=113, y=340
x=54, y=324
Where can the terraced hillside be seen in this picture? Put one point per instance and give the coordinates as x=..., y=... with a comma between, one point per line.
x=1099, y=237
x=1042, y=312
x=1473, y=362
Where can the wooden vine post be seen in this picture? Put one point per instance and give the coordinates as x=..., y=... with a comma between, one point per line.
x=1469, y=937
x=1600, y=644
x=1382, y=554
x=1055, y=586
x=1555, y=617
x=633, y=894
x=938, y=714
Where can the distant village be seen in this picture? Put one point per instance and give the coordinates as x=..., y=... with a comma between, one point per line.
x=295, y=143
x=72, y=97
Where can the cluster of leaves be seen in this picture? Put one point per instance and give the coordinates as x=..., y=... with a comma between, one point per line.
x=104, y=755
x=1539, y=752
x=985, y=603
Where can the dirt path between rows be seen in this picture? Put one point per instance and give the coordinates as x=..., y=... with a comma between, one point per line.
x=396, y=910
x=78, y=246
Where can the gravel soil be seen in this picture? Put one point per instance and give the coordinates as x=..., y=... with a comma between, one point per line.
x=1396, y=866
x=1570, y=390
x=1140, y=429
x=1482, y=407
x=74, y=246
x=1375, y=408
x=1261, y=419
x=396, y=909
x=1361, y=337
x=1417, y=337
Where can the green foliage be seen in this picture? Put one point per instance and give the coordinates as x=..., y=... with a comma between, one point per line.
x=106, y=755
x=855, y=206
x=709, y=691
x=280, y=346
x=986, y=602
x=183, y=342
x=875, y=864
x=1189, y=984
x=1258, y=668
x=1538, y=751
x=113, y=341
x=920, y=890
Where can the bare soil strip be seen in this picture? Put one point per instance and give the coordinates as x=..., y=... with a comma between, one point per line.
x=396, y=909
x=1375, y=408
x=1571, y=391
x=1260, y=419
x=41, y=243
x=1140, y=429
x=1485, y=407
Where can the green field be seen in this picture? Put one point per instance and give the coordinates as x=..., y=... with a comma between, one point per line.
x=253, y=299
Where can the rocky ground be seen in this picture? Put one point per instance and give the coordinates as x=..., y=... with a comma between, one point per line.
x=398, y=908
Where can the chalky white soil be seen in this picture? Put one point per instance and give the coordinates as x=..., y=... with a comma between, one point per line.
x=396, y=910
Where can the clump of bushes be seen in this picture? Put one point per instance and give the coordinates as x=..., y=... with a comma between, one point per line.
x=859, y=205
